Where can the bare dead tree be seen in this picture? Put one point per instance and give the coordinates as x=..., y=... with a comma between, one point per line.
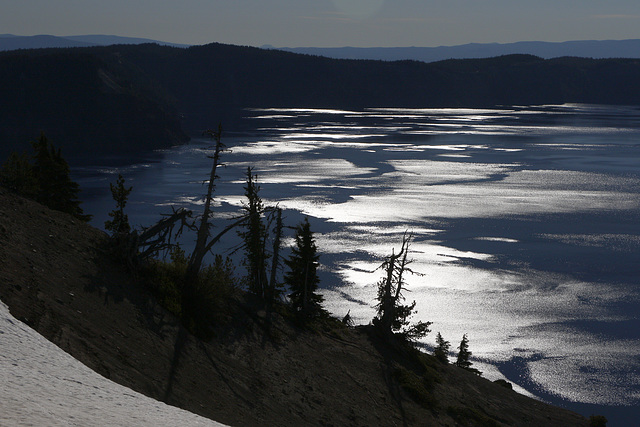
x=203, y=232
x=393, y=316
x=157, y=238
x=390, y=287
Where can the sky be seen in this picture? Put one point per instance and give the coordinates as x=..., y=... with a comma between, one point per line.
x=328, y=23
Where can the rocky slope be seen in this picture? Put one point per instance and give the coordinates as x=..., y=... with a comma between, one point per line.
x=55, y=276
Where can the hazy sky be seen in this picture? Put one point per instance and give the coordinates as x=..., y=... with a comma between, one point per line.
x=328, y=23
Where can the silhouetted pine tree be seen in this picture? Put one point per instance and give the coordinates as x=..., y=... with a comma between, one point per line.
x=47, y=180
x=119, y=225
x=254, y=237
x=302, y=277
x=441, y=352
x=464, y=354
x=56, y=189
x=17, y=175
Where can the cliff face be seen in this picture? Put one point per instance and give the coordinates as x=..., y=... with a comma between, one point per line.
x=56, y=277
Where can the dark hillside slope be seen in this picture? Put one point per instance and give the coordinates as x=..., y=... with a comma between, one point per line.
x=55, y=276
x=81, y=105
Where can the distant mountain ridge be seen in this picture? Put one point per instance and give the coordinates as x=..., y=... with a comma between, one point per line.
x=596, y=49
x=13, y=42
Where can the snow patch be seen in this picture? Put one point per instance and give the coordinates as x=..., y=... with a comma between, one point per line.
x=42, y=385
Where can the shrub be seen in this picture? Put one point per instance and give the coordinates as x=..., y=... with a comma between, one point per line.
x=471, y=417
x=164, y=279
x=416, y=387
x=504, y=383
x=204, y=301
x=17, y=175
x=597, y=421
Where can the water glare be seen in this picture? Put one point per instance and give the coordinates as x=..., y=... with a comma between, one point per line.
x=526, y=224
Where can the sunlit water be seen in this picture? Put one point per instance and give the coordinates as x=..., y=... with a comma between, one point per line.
x=525, y=221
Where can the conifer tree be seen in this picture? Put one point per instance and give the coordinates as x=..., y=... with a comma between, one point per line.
x=17, y=175
x=254, y=237
x=56, y=189
x=302, y=277
x=441, y=351
x=393, y=316
x=119, y=225
x=464, y=354
x=47, y=180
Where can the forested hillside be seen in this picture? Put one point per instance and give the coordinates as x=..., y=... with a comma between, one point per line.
x=81, y=103
x=137, y=97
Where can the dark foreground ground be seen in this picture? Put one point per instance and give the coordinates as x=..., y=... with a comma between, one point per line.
x=55, y=276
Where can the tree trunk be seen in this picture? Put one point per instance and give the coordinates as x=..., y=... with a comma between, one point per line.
x=276, y=257
x=199, y=251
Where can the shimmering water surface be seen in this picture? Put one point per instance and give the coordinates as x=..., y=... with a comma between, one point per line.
x=526, y=225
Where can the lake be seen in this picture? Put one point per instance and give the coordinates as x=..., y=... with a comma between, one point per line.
x=526, y=224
